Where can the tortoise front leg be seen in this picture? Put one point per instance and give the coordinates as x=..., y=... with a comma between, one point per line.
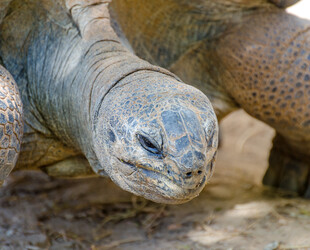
x=264, y=63
x=11, y=124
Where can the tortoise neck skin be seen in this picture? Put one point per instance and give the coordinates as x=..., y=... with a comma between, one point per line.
x=65, y=50
x=72, y=67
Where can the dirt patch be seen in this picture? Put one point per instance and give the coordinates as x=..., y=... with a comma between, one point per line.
x=233, y=212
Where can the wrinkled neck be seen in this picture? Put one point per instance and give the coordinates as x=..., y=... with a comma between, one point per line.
x=71, y=81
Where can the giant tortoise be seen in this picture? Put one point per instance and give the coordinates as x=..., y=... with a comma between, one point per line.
x=89, y=101
x=248, y=54
x=90, y=106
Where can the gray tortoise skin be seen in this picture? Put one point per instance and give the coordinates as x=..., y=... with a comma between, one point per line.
x=91, y=107
x=247, y=54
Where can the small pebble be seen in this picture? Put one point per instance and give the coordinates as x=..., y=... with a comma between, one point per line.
x=272, y=246
x=10, y=232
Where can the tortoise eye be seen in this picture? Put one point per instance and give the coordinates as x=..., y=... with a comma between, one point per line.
x=148, y=144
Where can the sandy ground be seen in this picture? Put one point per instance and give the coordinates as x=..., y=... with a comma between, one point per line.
x=233, y=212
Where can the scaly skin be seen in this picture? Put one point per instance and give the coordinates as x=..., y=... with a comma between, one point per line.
x=88, y=99
x=11, y=124
x=264, y=64
x=248, y=54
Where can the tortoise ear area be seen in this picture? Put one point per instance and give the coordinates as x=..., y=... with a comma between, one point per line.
x=211, y=133
x=212, y=140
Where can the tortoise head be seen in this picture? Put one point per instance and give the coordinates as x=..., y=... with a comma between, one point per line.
x=157, y=137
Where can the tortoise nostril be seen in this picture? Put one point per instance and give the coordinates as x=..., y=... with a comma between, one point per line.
x=189, y=174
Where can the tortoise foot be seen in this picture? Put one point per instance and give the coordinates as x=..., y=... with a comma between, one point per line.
x=72, y=167
x=288, y=172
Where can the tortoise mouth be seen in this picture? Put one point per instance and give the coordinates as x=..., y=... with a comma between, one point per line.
x=143, y=167
x=158, y=191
